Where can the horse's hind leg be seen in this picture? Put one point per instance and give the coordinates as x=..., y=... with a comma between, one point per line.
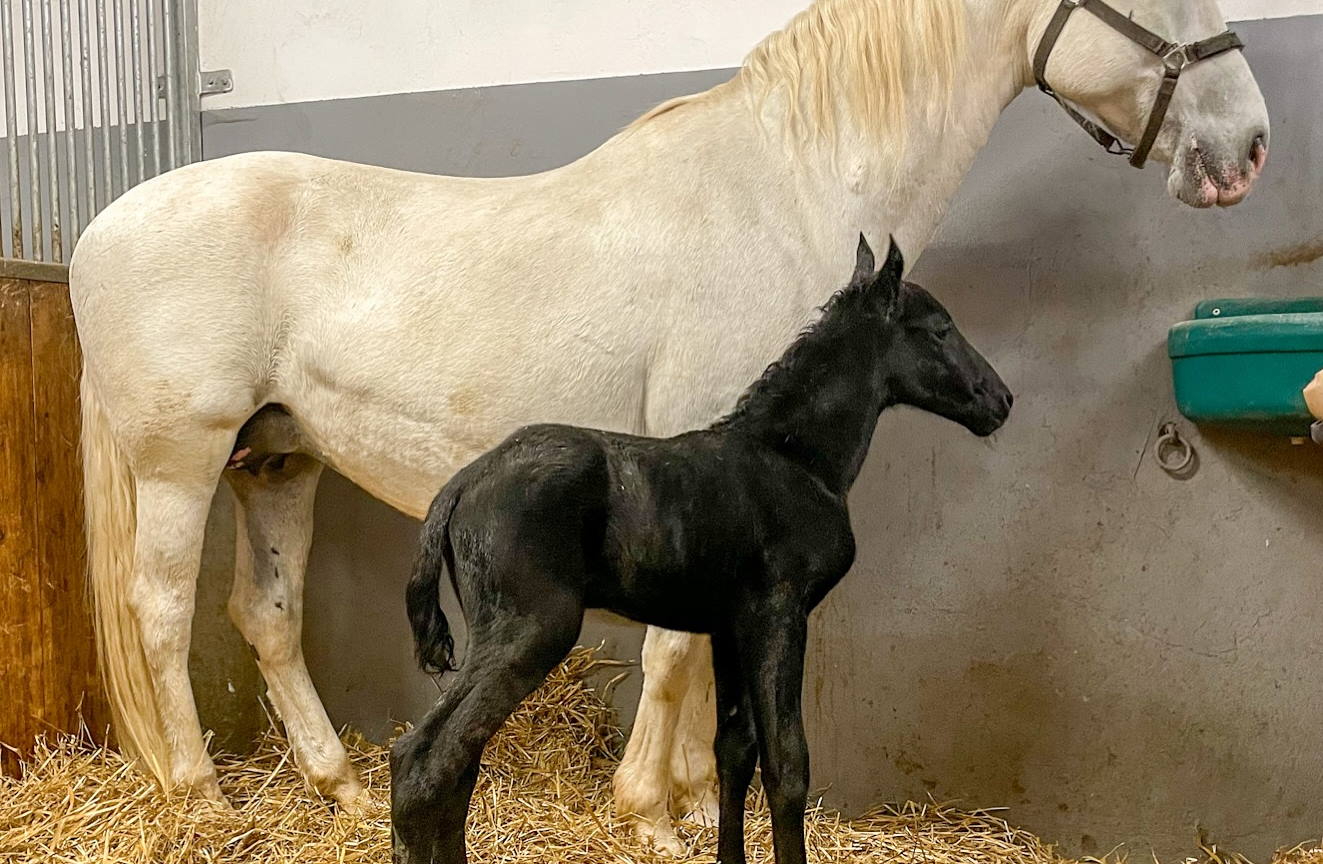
x=274, y=495
x=172, y=515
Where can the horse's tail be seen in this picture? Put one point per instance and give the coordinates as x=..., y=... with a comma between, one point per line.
x=431, y=631
x=109, y=511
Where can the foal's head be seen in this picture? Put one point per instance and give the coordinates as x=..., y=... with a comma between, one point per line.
x=928, y=363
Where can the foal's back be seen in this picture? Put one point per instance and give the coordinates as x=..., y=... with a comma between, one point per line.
x=667, y=531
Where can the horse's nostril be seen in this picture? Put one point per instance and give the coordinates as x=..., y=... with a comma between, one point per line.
x=1258, y=152
x=1010, y=400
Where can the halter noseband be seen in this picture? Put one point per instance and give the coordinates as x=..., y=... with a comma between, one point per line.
x=1175, y=57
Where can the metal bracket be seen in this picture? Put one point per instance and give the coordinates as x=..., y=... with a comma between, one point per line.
x=217, y=81
x=210, y=82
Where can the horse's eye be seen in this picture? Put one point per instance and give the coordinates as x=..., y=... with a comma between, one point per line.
x=940, y=331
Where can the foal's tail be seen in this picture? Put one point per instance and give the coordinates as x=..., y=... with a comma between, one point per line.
x=431, y=631
x=109, y=508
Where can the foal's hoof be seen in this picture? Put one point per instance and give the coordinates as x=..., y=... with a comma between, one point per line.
x=660, y=836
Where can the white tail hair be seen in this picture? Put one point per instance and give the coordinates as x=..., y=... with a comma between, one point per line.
x=111, y=527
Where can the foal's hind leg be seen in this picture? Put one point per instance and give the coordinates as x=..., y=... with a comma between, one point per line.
x=435, y=765
x=273, y=531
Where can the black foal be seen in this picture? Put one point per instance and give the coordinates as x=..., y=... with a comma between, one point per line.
x=737, y=530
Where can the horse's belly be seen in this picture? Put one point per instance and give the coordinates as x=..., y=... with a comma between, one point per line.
x=400, y=423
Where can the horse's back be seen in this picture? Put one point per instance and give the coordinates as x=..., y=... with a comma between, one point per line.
x=226, y=217
x=200, y=277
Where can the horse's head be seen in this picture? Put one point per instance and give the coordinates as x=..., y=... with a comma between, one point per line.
x=928, y=362
x=1215, y=131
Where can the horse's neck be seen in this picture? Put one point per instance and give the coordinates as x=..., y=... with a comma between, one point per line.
x=910, y=185
x=901, y=188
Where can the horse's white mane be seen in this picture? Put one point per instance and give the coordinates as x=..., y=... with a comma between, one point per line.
x=860, y=58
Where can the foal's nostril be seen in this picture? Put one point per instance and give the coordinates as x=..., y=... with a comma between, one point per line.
x=1010, y=400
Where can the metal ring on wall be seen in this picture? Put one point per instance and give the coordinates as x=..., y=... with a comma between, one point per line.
x=1171, y=444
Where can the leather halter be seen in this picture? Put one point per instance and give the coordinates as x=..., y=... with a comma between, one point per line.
x=1175, y=57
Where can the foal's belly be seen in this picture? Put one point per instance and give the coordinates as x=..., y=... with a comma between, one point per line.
x=692, y=600
x=683, y=611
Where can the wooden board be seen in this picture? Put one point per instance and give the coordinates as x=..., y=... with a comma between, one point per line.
x=47, y=653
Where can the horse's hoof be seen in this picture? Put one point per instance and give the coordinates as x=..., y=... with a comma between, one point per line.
x=660, y=836
x=221, y=805
x=208, y=789
x=352, y=798
x=706, y=811
x=343, y=787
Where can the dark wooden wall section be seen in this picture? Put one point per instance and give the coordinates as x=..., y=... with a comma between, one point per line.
x=47, y=653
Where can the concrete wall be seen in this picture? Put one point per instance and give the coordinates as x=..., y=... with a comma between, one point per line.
x=1046, y=621
x=303, y=50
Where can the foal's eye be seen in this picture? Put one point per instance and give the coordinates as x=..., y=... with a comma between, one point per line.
x=939, y=332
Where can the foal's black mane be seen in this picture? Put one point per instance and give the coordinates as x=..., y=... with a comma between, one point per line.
x=819, y=403
x=850, y=310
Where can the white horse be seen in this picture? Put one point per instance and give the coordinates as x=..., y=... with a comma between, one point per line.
x=408, y=322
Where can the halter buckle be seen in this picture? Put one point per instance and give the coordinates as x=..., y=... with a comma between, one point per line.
x=1175, y=60
x=1116, y=148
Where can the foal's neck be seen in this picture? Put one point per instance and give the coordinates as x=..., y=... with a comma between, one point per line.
x=819, y=403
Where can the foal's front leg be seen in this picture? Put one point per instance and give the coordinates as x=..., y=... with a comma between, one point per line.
x=736, y=748
x=772, y=650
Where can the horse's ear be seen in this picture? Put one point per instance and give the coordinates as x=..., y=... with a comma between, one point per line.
x=895, y=263
x=863, y=262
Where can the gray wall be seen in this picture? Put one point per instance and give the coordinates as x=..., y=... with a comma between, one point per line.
x=1046, y=621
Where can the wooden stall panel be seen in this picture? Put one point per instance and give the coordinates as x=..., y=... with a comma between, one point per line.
x=47, y=652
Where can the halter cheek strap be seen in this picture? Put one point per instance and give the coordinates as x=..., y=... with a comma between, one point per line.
x=1175, y=57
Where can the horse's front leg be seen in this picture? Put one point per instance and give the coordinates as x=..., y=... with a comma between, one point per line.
x=736, y=747
x=673, y=665
x=273, y=528
x=772, y=652
x=693, y=767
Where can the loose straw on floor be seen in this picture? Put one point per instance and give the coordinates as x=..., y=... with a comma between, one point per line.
x=543, y=796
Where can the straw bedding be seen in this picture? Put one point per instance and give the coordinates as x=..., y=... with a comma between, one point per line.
x=543, y=796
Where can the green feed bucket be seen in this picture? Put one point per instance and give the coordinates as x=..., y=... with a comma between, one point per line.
x=1244, y=362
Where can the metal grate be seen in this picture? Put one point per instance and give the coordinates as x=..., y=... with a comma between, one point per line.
x=99, y=96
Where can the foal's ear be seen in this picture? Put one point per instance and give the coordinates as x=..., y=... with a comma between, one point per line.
x=894, y=266
x=863, y=261
x=887, y=283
